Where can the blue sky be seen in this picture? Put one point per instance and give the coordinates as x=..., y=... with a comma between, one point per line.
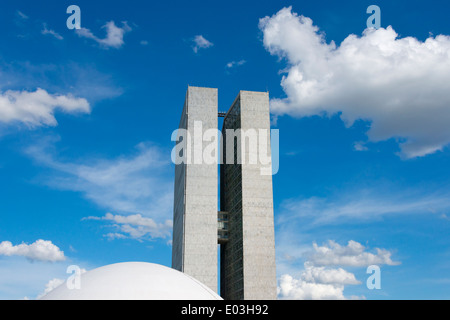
x=86, y=119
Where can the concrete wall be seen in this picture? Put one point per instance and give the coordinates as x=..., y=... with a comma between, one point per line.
x=248, y=259
x=195, y=219
x=257, y=205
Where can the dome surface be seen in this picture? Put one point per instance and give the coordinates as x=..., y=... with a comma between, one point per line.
x=134, y=281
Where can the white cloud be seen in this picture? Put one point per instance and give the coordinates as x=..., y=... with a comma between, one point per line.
x=135, y=184
x=37, y=108
x=316, y=283
x=234, y=64
x=136, y=227
x=297, y=289
x=114, y=35
x=40, y=250
x=200, y=43
x=328, y=275
x=51, y=32
x=353, y=254
x=398, y=84
x=322, y=276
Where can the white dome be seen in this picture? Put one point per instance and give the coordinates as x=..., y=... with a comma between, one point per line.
x=134, y=281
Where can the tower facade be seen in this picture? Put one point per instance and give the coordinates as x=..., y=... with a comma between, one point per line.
x=244, y=226
x=194, y=244
x=247, y=259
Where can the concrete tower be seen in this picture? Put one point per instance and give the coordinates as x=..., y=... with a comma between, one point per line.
x=194, y=245
x=244, y=226
x=248, y=257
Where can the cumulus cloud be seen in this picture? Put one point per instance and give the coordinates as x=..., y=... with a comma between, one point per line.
x=135, y=226
x=399, y=85
x=327, y=275
x=37, y=108
x=114, y=35
x=297, y=289
x=323, y=277
x=40, y=250
x=316, y=283
x=199, y=42
x=353, y=254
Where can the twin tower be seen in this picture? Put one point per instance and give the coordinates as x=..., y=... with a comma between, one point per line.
x=242, y=229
